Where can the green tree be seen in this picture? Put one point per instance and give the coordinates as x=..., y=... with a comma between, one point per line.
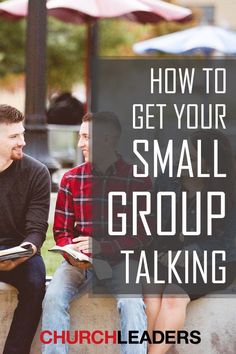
x=12, y=47
x=66, y=47
x=65, y=54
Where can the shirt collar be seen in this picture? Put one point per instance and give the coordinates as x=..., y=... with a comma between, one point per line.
x=111, y=170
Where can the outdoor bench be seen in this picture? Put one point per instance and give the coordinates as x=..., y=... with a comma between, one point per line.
x=214, y=317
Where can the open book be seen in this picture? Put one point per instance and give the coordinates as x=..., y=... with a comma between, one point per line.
x=68, y=249
x=101, y=267
x=16, y=252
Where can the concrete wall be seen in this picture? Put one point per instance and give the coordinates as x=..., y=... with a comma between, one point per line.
x=213, y=317
x=8, y=301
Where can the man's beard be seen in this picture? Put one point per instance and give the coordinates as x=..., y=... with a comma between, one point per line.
x=17, y=154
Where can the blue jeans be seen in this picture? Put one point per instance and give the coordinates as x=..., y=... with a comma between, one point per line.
x=29, y=279
x=70, y=282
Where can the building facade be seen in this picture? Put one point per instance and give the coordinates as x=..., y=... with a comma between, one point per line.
x=218, y=12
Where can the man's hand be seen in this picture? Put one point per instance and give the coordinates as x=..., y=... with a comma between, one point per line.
x=86, y=244
x=10, y=264
x=78, y=264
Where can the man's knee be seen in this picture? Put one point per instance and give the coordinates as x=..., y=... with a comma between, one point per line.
x=54, y=300
x=131, y=305
x=174, y=303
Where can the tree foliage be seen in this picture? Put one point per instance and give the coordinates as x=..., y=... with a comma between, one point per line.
x=65, y=54
x=12, y=47
x=66, y=47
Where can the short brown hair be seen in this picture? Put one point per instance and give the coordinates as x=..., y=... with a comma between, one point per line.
x=107, y=118
x=87, y=117
x=10, y=115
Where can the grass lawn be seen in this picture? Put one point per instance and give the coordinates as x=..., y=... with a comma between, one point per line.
x=52, y=260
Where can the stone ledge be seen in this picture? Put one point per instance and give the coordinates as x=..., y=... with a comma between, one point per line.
x=7, y=287
x=213, y=317
x=8, y=301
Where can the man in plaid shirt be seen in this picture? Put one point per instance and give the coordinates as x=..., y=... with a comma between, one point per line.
x=81, y=217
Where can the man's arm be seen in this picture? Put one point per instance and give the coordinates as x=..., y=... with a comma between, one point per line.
x=36, y=217
x=38, y=207
x=64, y=219
x=6, y=266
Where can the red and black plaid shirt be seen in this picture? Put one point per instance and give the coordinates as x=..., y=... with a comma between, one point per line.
x=82, y=206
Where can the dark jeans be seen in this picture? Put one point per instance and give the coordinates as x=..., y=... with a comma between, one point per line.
x=29, y=279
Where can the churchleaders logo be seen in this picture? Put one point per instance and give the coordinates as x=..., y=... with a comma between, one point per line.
x=114, y=337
